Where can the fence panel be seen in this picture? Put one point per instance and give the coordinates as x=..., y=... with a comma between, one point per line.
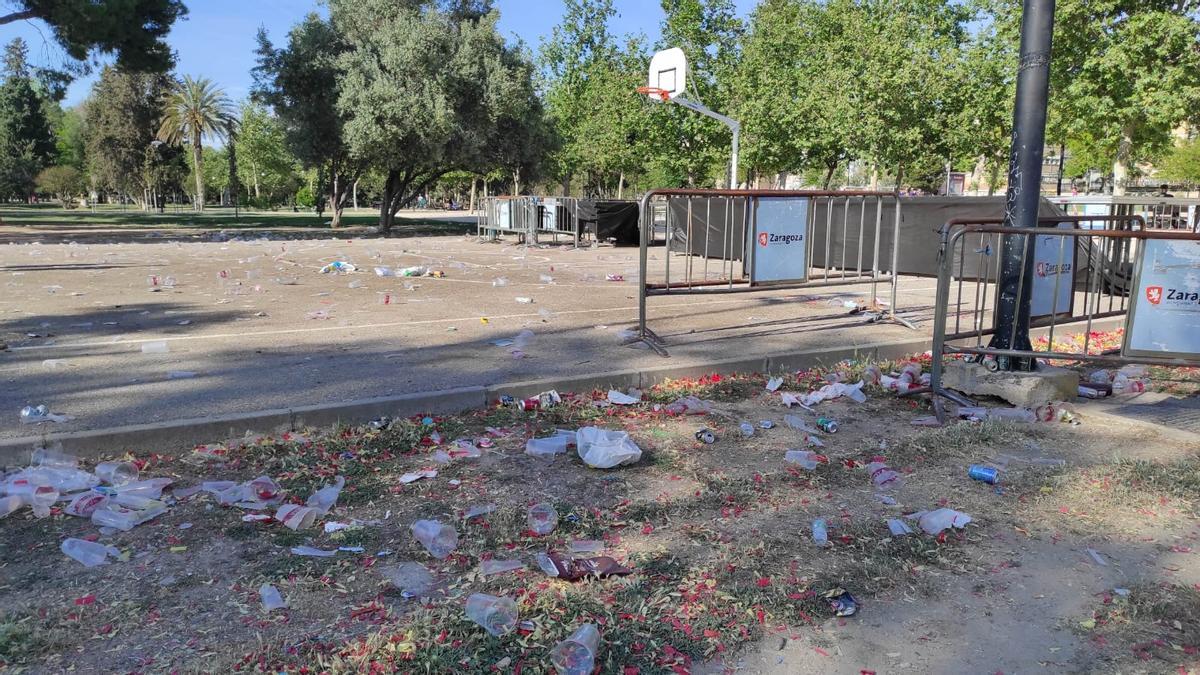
x=744, y=241
x=1086, y=268
x=1159, y=213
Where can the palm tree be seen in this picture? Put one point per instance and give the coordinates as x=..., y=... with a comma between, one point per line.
x=192, y=110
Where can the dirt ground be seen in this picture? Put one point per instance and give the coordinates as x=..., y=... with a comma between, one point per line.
x=725, y=577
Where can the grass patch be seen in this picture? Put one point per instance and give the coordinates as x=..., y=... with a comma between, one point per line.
x=20, y=640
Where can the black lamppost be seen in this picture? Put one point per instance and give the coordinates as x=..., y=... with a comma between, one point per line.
x=1024, y=183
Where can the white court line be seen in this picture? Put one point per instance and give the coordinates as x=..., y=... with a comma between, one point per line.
x=395, y=324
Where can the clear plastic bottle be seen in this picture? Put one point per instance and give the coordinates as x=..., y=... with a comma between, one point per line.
x=807, y=459
x=820, y=532
x=89, y=553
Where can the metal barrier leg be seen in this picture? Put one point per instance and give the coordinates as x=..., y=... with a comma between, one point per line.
x=644, y=334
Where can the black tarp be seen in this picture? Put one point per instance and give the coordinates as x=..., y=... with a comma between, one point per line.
x=712, y=226
x=610, y=219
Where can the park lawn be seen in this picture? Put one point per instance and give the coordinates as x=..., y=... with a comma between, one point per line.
x=717, y=536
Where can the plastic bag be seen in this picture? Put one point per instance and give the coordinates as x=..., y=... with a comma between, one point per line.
x=602, y=449
x=933, y=522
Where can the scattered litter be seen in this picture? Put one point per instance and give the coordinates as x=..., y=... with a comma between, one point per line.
x=774, y=384
x=986, y=474
x=829, y=426
x=524, y=301
x=747, y=429
x=89, y=553
x=933, y=522
x=585, y=546
x=883, y=476
x=573, y=569
x=323, y=500
x=413, y=476
x=498, y=616
x=338, y=267
x=271, y=599
x=602, y=449
x=820, y=532
x=617, y=398
x=311, y=552
x=689, y=405
x=479, y=510
x=412, y=578
x=807, y=459
x=766, y=424
x=499, y=282
x=296, y=517
x=832, y=391
x=1097, y=557
x=117, y=474
x=706, y=436
x=36, y=414
x=842, y=603
x=542, y=518
x=489, y=567
x=157, y=347
x=577, y=654
x=799, y=424
x=440, y=540
x=898, y=527
x=548, y=448
x=181, y=374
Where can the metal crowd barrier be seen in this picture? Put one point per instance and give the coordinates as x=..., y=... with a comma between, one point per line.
x=527, y=217
x=1160, y=213
x=1081, y=275
x=725, y=238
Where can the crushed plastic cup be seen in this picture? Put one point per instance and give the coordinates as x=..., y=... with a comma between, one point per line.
x=150, y=488
x=497, y=616
x=522, y=300
x=88, y=553
x=820, y=532
x=747, y=429
x=271, y=599
x=125, y=512
x=479, y=510
x=384, y=272
x=412, y=578
x=620, y=398
x=546, y=279
x=577, y=654
x=117, y=474
x=933, y=522
x=10, y=504
x=898, y=527
x=774, y=384
x=323, y=500
x=156, y=347
x=296, y=517
x=884, y=477
x=489, y=567
x=84, y=504
x=542, y=518
x=806, y=459
x=53, y=457
x=603, y=449
x=546, y=448
x=36, y=414
x=499, y=282
x=439, y=539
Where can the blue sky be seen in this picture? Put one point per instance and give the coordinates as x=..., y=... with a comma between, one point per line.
x=217, y=39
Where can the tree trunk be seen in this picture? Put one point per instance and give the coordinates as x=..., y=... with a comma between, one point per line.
x=899, y=177
x=198, y=160
x=335, y=200
x=829, y=169
x=254, y=170
x=473, y=183
x=993, y=177
x=566, y=186
x=874, y=177
x=516, y=182
x=355, y=194
x=386, y=217
x=621, y=186
x=1124, y=159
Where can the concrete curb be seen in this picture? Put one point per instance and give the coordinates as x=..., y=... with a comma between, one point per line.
x=176, y=435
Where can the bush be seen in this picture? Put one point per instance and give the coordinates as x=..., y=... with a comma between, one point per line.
x=64, y=182
x=305, y=198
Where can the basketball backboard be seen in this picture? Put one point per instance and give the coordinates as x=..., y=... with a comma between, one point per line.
x=668, y=73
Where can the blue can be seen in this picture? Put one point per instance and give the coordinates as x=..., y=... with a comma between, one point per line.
x=987, y=474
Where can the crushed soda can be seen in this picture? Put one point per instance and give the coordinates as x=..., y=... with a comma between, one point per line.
x=766, y=424
x=507, y=400
x=827, y=425
x=380, y=423
x=986, y=474
x=544, y=400
x=841, y=602
x=572, y=569
x=706, y=436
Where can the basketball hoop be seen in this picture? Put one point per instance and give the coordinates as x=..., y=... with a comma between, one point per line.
x=655, y=92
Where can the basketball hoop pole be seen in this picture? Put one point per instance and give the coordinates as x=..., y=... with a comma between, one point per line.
x=734, y=126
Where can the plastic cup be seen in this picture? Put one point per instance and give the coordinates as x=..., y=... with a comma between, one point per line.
x=117, y=474
x=296, y=517
x=496, y=615
x=542, y=518
x=577, y=654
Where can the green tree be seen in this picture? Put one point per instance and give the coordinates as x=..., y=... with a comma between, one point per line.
x=26, y=139
x=134, y=30
x=983, y=92
x=692, y=148
x=427, y=89
x=120, y=118
x=64, y=182
x=1125, y=74
x=194, y=109
x=70, y=139
x=300, y=83
x=265, y=167
x=1182, y=163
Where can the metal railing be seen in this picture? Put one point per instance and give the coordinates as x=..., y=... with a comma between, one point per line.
x=1160, y=213
x=527, y=217
x=1081, y=275
x=723, y=239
